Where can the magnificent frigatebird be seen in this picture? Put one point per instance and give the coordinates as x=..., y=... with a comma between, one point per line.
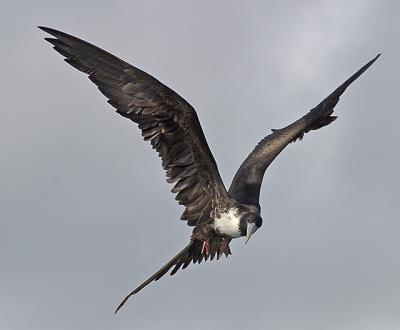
x=173, y=129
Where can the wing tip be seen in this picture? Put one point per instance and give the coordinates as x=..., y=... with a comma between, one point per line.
x=47, y=29
x=58, y=34
x=55, y=33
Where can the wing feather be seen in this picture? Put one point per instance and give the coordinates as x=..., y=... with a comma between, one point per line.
x=246, y=185
x=166, y=120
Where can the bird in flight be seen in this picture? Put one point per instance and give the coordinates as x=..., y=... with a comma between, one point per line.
x=171, y=125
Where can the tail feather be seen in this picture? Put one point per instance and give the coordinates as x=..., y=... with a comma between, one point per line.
x=175, y=261
x=190, y=253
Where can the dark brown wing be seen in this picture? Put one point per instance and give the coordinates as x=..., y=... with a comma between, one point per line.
x=166, y=119
x=246, y=184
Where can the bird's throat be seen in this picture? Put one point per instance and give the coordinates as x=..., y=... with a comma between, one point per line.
x=228, y=223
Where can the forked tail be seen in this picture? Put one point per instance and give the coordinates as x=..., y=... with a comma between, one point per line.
x=177, y=261
x=191, y=252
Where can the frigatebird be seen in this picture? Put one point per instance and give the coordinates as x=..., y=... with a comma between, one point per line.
x=171, y=125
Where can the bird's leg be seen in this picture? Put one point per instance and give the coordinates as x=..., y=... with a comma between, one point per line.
x=224, y=248
x=205, y=249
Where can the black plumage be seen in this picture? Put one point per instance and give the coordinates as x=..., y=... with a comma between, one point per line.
x=173, y=129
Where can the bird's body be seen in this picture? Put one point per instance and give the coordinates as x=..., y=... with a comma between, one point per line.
x=173, y=129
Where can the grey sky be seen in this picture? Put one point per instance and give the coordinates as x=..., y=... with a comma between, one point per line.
x=85, y=212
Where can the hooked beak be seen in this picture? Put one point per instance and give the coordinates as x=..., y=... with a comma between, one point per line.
x=251, y=229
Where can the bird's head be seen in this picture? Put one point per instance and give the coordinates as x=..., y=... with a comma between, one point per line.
x=251, y=222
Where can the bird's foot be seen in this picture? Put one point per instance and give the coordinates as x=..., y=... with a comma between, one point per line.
x=224, y=248
x=205, y=249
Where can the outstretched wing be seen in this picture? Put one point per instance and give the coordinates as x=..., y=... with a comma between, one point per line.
x=166, y=119
x=246, y=184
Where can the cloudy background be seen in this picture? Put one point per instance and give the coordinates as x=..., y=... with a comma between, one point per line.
x=86, y=215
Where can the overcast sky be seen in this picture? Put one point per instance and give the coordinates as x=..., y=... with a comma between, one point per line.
x=86, y=214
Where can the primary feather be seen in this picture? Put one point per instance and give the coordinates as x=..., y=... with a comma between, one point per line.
x=166, y=120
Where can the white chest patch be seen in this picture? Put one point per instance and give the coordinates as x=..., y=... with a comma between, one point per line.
x=228, y=223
